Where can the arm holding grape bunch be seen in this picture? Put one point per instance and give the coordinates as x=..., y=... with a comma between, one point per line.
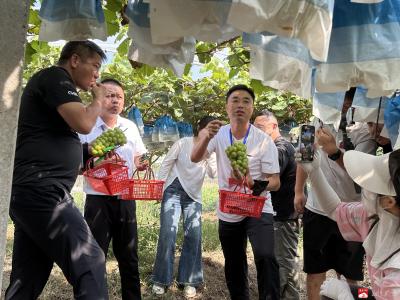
x=107, y=142
x=240, y=169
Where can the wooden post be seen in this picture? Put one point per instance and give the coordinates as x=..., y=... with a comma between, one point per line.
x=13, y=27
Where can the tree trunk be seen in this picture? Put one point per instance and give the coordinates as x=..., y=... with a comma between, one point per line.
x=13, y=24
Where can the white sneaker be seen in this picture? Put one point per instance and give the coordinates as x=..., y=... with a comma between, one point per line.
x=189, y=291
x=158, y=290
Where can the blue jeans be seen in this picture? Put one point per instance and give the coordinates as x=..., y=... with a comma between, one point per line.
x=190, y=272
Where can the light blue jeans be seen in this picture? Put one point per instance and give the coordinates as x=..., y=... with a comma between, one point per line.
x=190, y=271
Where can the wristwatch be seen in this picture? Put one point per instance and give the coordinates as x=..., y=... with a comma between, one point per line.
x=335, y=156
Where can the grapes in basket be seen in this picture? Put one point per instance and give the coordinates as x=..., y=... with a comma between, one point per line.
x=238, y=156
x=107, y=141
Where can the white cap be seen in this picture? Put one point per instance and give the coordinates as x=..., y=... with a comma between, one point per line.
x=370, y=172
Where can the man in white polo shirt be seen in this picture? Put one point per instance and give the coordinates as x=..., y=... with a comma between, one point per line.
x=263, y=166
x=108, y=216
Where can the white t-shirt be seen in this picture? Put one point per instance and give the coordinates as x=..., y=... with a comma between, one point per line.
x=177, y=163
x=263, y=159
x=361, y=139
x=338, y=179
x=133, y=147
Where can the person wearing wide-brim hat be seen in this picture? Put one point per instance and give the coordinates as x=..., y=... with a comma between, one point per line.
x=375, y=220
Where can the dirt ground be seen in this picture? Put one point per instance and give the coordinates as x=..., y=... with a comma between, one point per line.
x=214, y=288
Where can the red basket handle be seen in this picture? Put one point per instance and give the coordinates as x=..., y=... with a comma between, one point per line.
x=148, y=175
x=90, y=164
x=242, y=183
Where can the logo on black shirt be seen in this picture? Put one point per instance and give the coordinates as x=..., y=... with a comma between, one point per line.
x=73, y=93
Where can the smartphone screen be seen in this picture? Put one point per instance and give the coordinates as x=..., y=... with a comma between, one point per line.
x=306, y=142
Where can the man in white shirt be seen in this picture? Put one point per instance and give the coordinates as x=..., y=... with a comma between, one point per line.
x=263, y=165
x=107, y=216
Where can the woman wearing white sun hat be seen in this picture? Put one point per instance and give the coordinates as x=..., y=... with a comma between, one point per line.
x=375, y=220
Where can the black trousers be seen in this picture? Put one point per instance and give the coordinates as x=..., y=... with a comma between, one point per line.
x=49, y=228
x=233, y=237
x=111, y=218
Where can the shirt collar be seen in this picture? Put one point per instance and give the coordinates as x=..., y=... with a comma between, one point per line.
x=100, y=123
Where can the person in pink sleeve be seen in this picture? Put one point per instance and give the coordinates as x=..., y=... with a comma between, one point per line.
x=375, y=221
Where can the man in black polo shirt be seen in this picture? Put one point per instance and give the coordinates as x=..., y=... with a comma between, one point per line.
x=48, y=226
x=286, y=224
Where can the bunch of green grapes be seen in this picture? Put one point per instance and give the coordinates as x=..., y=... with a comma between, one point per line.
x=108, y=141
x=238, y=156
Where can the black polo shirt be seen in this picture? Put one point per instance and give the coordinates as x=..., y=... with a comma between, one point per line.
x=283, y=199
x=48, y=152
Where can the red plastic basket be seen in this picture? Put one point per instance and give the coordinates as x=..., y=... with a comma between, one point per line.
x=147, y=188
x=240, y=203
x=109, y=177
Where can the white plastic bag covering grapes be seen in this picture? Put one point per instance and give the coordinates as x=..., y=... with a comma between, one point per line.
x=72, y=20
x=204, y=20
x=364, y=49
x=150, y=132
x=366, y=109
x=147, y=133
x=167, y=129
x=328, y=107
x=173, y=55
x=155, y=134
x=308, y=20
x=281, y=63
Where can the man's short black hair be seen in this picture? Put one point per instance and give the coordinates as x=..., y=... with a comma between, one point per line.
x=203, y=123
x=112, y=81
x=240, y=87
x=84, y=49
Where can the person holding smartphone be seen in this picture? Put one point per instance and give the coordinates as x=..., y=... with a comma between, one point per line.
x=374, y=221
x=108, y=216
x=324, y=247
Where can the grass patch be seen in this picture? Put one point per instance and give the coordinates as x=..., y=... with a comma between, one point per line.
x=148, y=219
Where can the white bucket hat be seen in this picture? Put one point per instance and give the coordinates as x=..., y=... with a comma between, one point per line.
x=370, y=172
